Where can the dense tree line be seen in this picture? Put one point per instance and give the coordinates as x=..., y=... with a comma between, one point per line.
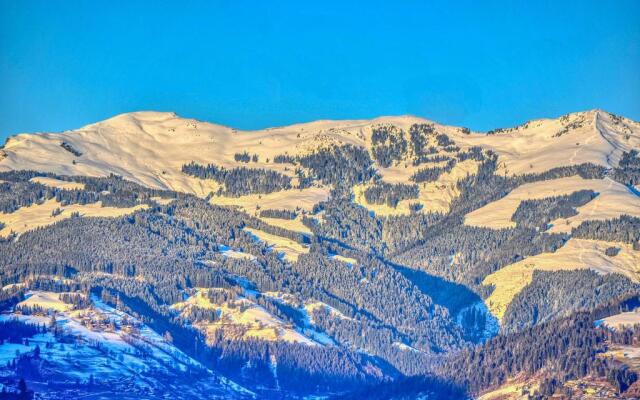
x=10, y=296
x=22, y=194
x=472, y=153
x=539, y=213
x=419, y=135
x=339, y=165
x=195, y=314
x=443, y=140
x=15, y=331
x=17, y=191
x=284, y=159
x=240, y=181
x=622, y=229
x=336, y=165
x=436, y=158
x=431, y=174
x=552, y=295
x=280, y=309
x=628, y=170
x=281, y=214
x=388, y=144
x=79, y=301
x=390, y=194
x=245, y=157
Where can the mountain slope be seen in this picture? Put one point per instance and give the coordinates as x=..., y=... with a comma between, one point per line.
x=152, y=149
x=343, y=253
x=144, y=144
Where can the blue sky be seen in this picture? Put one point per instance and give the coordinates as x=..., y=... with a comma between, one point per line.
x=258, y=64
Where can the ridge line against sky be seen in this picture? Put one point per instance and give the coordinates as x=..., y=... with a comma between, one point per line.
x=294, y=123
x=253, y=65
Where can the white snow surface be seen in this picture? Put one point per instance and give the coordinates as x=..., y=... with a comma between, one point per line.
x=150, y=147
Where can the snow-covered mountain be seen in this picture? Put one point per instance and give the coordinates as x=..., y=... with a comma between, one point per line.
x=150, y=147
x=384, y=242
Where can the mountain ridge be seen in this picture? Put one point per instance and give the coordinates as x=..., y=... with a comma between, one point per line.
x=173, y=114
x=295, y=139
x=360, y=250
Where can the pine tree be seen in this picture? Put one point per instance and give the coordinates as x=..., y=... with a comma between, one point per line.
x=52, y=323
x=22, y=386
